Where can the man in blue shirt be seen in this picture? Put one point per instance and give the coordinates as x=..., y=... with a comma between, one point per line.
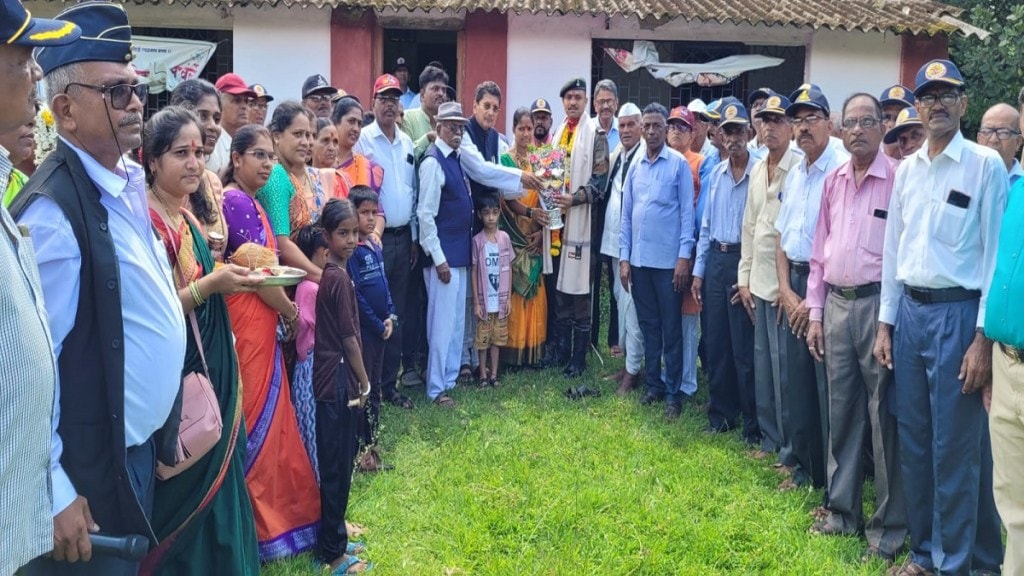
x=730, y=334
x=655, y=248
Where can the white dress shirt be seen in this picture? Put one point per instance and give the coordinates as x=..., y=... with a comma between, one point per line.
x=397, y=192
x=221, y=155
x=431, y=182
x=801, y=203
x=932, y=243
x=154, y=325
x=502, y=178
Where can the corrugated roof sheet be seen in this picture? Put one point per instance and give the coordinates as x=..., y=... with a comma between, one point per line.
x=915, y=16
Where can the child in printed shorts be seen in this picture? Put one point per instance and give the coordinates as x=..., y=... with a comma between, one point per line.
x=341, y=388
x=376, y=320
x=491, y=284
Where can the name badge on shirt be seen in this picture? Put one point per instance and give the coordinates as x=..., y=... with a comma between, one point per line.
x=958, y=199
x=409, y=159
x=880, y=213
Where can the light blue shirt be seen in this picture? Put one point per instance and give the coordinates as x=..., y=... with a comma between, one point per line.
x=657, y=211
x=612, y=135
x=801, y=203
x=1015, y=172
x=723, y=214
x=409, y=98
x=154, y=324
x=397, y=193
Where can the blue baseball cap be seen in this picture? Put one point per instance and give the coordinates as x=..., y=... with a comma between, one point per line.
x=106, y=37
x=734, y=113
x=808, y=98
x=897, y=94
x=758, y=94
x=801, y=88
x=938, y=72
x=774, y=104
x=907, y=118
x=19, y=28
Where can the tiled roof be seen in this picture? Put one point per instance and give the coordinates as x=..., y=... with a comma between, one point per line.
x=915, y=16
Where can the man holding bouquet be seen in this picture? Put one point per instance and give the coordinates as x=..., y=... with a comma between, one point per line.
x=586, y=149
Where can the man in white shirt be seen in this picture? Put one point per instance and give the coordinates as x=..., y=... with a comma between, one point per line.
x=629, y=337
x=235, y=95
x=941, y=233
x=114, y=313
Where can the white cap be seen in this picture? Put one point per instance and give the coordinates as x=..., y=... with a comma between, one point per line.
x=697, y=106
x=629, y=109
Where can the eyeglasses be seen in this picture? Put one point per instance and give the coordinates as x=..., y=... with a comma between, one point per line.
x=453, y=127
x=258, y=105
x=262, y=155
x=120, y=95
x=1000, y=133
x=772, y=119
x=948, y=99
x=388, y=100
x=675, y=127
x=865, y=122
x=811, y=121
x=888, y=117
x=318, y=98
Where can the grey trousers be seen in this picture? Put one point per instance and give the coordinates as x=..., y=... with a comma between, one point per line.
x=858, y=388
x=766, y=381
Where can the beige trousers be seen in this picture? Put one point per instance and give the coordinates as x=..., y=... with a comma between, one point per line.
x=1006, y=423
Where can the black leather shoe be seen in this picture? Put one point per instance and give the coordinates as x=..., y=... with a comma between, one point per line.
x=672, y=411
x=650, y=398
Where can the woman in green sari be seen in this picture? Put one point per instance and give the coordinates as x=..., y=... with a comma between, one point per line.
x=202, y=517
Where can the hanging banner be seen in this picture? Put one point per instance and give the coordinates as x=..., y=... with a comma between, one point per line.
x=714, y=73
x=167, y=62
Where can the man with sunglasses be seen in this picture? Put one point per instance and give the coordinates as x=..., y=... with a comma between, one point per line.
x=939, y=255
x=26, y=355
x=843, y=298
x=114, y=314
x=804, y=392
x=1000, y=131
x=318, y=96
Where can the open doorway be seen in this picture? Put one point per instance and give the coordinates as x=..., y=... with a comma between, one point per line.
x=419, y=48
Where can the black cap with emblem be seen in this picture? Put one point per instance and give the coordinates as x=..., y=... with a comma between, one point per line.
x=574, y=84
x=106, y=37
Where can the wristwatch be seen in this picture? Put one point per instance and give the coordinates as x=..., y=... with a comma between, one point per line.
x=529, y=212
x=394, y=321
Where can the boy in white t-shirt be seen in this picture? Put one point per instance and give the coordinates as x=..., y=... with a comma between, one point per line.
x=491, y=278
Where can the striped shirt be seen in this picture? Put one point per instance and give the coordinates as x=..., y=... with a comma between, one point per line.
x=26, y=400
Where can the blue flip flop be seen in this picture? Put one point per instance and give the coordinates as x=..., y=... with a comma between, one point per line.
x=355, y=548
x=350, y=561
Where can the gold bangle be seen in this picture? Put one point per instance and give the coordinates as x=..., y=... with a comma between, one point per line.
x=197, y=295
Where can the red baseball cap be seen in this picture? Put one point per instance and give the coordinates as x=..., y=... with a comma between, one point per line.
x=232, y=83
x=385, y=83
x=683, y=114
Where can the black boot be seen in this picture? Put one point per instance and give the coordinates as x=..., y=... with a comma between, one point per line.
x=556, y=350
x=580, y=346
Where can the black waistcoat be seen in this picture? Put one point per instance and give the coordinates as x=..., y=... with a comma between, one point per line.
x=91, y=361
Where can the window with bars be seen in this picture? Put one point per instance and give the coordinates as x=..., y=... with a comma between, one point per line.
x=221, y=63
x=641, y=88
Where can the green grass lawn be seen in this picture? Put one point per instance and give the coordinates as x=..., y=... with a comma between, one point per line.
x=519, y=480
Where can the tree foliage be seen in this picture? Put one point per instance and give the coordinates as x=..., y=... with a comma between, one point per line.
x=992, y=68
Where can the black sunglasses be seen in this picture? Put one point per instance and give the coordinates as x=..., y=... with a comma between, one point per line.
x=120, y=95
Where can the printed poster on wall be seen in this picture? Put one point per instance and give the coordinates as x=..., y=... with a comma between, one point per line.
x=167, y=62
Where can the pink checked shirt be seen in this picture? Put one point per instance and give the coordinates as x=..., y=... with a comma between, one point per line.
x=848, y=240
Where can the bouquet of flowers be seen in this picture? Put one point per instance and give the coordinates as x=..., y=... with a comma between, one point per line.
x=548, y=166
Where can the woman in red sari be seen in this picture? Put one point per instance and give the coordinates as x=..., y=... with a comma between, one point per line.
x=282, y=485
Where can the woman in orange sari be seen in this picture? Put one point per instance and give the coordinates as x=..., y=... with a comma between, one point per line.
x=279, y=476
x=526, y=224
x=358, y=169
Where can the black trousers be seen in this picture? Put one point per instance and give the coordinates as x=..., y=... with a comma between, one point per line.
x=573, y=311
x=369, y=414
x=397, y=248
x=730, y=349
x=335, y=439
